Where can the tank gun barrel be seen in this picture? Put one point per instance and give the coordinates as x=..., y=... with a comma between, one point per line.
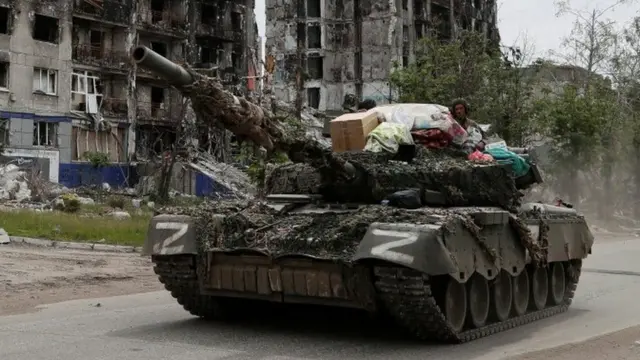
x=161, y=66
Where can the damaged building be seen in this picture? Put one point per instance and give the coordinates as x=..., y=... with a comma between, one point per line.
x=68, y=87
x=321, y=50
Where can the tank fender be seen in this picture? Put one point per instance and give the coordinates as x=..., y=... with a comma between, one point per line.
x=170, y=235
x=419, y=247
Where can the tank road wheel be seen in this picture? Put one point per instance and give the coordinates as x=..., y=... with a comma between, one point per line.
x=501, y=297
x=479, y=301
x=455, y=304
x=520, y=290
x=557, y=283
x=539, y=287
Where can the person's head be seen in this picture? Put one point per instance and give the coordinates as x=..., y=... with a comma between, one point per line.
x=350, y=102
x=460, y=109
x=366, y=105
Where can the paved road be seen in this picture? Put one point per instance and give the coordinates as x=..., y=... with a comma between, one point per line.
x=152, y=326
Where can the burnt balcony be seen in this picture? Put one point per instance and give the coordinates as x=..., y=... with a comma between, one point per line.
x=97, y=56
x=164, y=20
x=159, y=113
x=218, y=31
x=106, y=10
x=114, y=107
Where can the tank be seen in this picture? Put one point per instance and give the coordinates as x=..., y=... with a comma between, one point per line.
x=443, y=246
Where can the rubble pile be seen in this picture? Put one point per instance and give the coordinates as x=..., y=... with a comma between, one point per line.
x=234, y=180
x=13, y=183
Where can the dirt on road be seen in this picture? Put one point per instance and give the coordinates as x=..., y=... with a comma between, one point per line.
x=32, y=276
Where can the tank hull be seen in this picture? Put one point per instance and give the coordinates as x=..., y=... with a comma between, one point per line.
x=430, y=277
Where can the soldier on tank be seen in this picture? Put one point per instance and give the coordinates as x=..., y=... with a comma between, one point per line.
x=460, y=110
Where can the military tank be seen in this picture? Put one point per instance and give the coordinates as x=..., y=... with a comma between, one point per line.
x=442, y=245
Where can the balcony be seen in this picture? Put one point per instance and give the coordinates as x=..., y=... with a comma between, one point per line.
x=218, y=31
x=114, y=107
x=97, y=56
x=162, y=21
x=159, y=113
x=106, y=10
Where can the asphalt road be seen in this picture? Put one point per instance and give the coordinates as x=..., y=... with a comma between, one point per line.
x=153, y=326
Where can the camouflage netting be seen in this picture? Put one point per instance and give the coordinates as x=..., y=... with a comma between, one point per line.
x=329, y=235
x=463, y=183
x=335, y=235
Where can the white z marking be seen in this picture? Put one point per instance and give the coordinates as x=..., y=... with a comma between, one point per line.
x=167, y=244
x=384, y=250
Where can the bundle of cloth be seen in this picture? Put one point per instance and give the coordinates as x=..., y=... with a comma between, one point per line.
x=433, y=126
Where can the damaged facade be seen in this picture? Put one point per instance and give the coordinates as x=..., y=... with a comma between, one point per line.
x=322, y=50
x=66, y=81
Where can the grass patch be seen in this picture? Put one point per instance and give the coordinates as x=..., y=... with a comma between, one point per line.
x=76, y=227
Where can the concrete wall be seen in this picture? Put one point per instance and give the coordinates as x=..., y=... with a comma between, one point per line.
x=358, y=55
x=20, y=104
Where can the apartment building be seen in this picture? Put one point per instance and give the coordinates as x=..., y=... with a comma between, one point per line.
x=66, y=86
x=350, y=46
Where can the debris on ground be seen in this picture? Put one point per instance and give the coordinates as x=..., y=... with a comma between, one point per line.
x=31, y=276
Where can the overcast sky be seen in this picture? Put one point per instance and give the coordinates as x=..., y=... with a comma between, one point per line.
x=534, y=20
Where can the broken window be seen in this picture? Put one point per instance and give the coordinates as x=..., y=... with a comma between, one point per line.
x=313, y=8
x=300, y=8
x=313, y=97
x=45, y=133
x=208, y=14
x=301, y=35
x=440, y=18
x=95, y=37
x=45, y=81
x=4, y=132
x=235, y=60
x=5, y=14
x=405, y=61
x=236, y=21
x=157, y=102
x=157, y=10
x=208, y=55
x=4, y=75
x=160, y=48
x=45, y=28
x=314, y=37
x=405, y=4
x=86, y=92
x=314, y=67
x=419, y=32
x=405, y=34
x=418, y=7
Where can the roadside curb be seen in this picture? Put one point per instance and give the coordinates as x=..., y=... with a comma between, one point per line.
x=87, y=246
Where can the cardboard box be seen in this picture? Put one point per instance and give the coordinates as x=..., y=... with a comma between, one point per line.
x=349, y=131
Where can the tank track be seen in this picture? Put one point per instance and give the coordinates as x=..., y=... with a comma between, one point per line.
x=406, y=294
x=409, y=299
x=179, y=275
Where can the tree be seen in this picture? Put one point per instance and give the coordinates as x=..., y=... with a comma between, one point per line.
x=499, y=88
x=625, y=71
